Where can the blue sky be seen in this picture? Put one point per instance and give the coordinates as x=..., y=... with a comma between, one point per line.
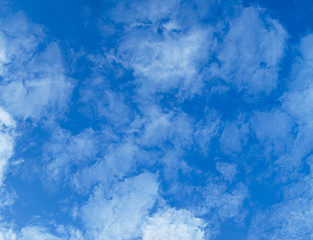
x=153, y=120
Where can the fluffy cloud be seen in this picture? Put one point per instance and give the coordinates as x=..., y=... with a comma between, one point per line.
x=173, y=224
x=142, y=123
x=65, y=151
x=167, y=62
x=251, y=52
x=119, y=213
x=33, y=78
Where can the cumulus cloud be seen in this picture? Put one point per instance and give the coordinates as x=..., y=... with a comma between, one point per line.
x=251, y=52
x=173, y=224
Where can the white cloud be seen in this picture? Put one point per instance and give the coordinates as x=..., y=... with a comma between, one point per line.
x=119, y=213
x=161, y=127
x=33, y=232
x=173, y=224
x=167, y=62
x=66, y=150
x=221, y=202
x=7, y=233
x=206, y=130
x=33, y=79
x=296, y=102
x=290, y=219
x=7, y=136
x=251, y=52
x=36, y=233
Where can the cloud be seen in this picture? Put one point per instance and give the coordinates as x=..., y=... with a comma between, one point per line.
x=296, y=103
x=33, y=78
x=168, y=62
x=119, y=213
x=141, y=122
x=7, y=233
x=36, y=233
x=66, y=151
x=143, y=11
x=251, y=52
x=274, y=130
x=103, y=103
x=289, y=131
x=227, y=170
x=162, y=128
x=206, y=129
x=7, y=141
x=289, y=219
x=173, y=224
x=224, y=203
x=33, y=232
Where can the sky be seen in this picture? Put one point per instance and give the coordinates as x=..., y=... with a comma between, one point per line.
x=153, y=120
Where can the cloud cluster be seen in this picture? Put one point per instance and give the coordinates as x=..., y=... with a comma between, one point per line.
x=172, y=127
x=33, y=81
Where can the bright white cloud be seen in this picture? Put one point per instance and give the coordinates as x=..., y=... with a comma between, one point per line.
x=173, y=224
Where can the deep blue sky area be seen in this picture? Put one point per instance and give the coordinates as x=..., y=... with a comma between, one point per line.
x=153, y=120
